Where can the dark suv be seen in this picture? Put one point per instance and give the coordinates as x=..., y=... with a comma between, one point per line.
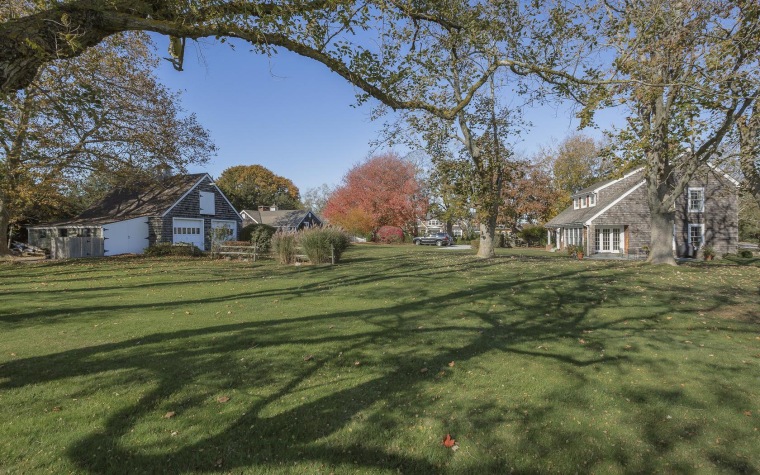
x=439, y=239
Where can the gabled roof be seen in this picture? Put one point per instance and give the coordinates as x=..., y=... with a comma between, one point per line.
x=152, y=199
x=580, y=216
x=291, y=218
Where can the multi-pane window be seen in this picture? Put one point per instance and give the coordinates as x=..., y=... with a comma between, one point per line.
x=574, y=236
x=696, y=235
x=608, y=239
x=696, y=200
x=593, y=200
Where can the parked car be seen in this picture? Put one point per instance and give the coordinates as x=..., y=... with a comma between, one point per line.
x=438, y=239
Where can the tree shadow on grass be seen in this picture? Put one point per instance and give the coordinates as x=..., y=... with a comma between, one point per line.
x=271, y=432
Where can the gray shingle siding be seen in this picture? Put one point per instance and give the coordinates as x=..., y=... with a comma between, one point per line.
x=189, y=207
x=720, y=216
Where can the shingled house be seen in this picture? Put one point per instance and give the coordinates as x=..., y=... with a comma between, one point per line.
x=174, y=209
x=612, y=217
x=282, y=219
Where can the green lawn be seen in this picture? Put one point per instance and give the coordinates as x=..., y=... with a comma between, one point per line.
x=533, y=362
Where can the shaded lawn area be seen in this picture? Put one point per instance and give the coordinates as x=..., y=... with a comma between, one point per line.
x=534, y=362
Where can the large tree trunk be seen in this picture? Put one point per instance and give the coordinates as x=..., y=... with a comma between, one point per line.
x=661, y=246
x=487, y=235
x=4, y=225
x=661, y=217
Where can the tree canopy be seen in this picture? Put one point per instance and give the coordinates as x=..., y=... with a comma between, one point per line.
x=102, y=114
x=382, y=191
x=250, y=186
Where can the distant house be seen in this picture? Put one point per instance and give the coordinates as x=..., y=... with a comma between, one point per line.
x=282, y=220
x=612, y=217
x=432, y=225
x=174, y=209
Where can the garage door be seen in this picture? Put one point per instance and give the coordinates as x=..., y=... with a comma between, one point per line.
x=188, y=231
x=227, y=230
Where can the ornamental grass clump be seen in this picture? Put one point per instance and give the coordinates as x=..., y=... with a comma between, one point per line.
x=284, y=245
x=322, y=244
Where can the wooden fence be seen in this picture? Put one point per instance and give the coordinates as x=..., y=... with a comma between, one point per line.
x=72, y=247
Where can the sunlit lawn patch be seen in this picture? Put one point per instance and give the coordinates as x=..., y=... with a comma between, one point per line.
x=533, y=362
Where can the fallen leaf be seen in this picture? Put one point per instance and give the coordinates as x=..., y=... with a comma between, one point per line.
x=424, y=370
x=187, y=313
x=451, y=364
x=169, y=415
x=57, y=409
x=174, y=432
x=449, y=441
x=308, y=357
x=456, y=446
x=222, y=399
x=747, y=413
x=581, y=341
x=357, y=363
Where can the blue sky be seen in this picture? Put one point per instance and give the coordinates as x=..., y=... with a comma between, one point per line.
x=295, y=117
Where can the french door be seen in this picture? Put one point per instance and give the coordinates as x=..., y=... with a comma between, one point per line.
x=609, y=239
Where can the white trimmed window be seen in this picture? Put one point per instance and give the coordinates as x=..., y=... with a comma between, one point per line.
x=696, y=235
x=575, y=203
x=593, y=199
x=696, y=198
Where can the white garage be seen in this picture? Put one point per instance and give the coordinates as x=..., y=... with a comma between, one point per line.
x=188, y=230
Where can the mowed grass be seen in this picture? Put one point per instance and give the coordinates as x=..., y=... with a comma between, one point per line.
x=533, y=362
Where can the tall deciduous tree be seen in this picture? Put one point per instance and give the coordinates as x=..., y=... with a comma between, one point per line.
x=575, y=163
x=102, y=113
x=450, y=188
x=748, y=128
x=529, y=196
x=316, y=198
x=248, y=186
x=689, y=70
x=385, y=188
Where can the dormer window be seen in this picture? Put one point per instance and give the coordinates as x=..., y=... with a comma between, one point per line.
x=584, y=201
x=592, y=199
x=576, y=203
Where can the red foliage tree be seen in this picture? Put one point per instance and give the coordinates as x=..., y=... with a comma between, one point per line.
x=385, y=188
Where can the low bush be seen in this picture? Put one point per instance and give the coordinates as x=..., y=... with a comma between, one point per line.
x=260, y=234
x=745, y=254
x=320, y=244
x=533, y=235
x=261, y=237
x=284, y=246
x=168, y=249
x=389, y=235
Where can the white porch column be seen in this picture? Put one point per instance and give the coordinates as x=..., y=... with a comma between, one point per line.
x=548, y=237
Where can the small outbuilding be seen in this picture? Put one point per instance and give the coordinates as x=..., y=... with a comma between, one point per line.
x=282, y=219
x=175, y=209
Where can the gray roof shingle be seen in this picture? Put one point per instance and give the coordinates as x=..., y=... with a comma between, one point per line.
x=152, y=199
x=605, y=197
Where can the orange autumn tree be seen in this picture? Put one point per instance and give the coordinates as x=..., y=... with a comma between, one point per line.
x=382, y=191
